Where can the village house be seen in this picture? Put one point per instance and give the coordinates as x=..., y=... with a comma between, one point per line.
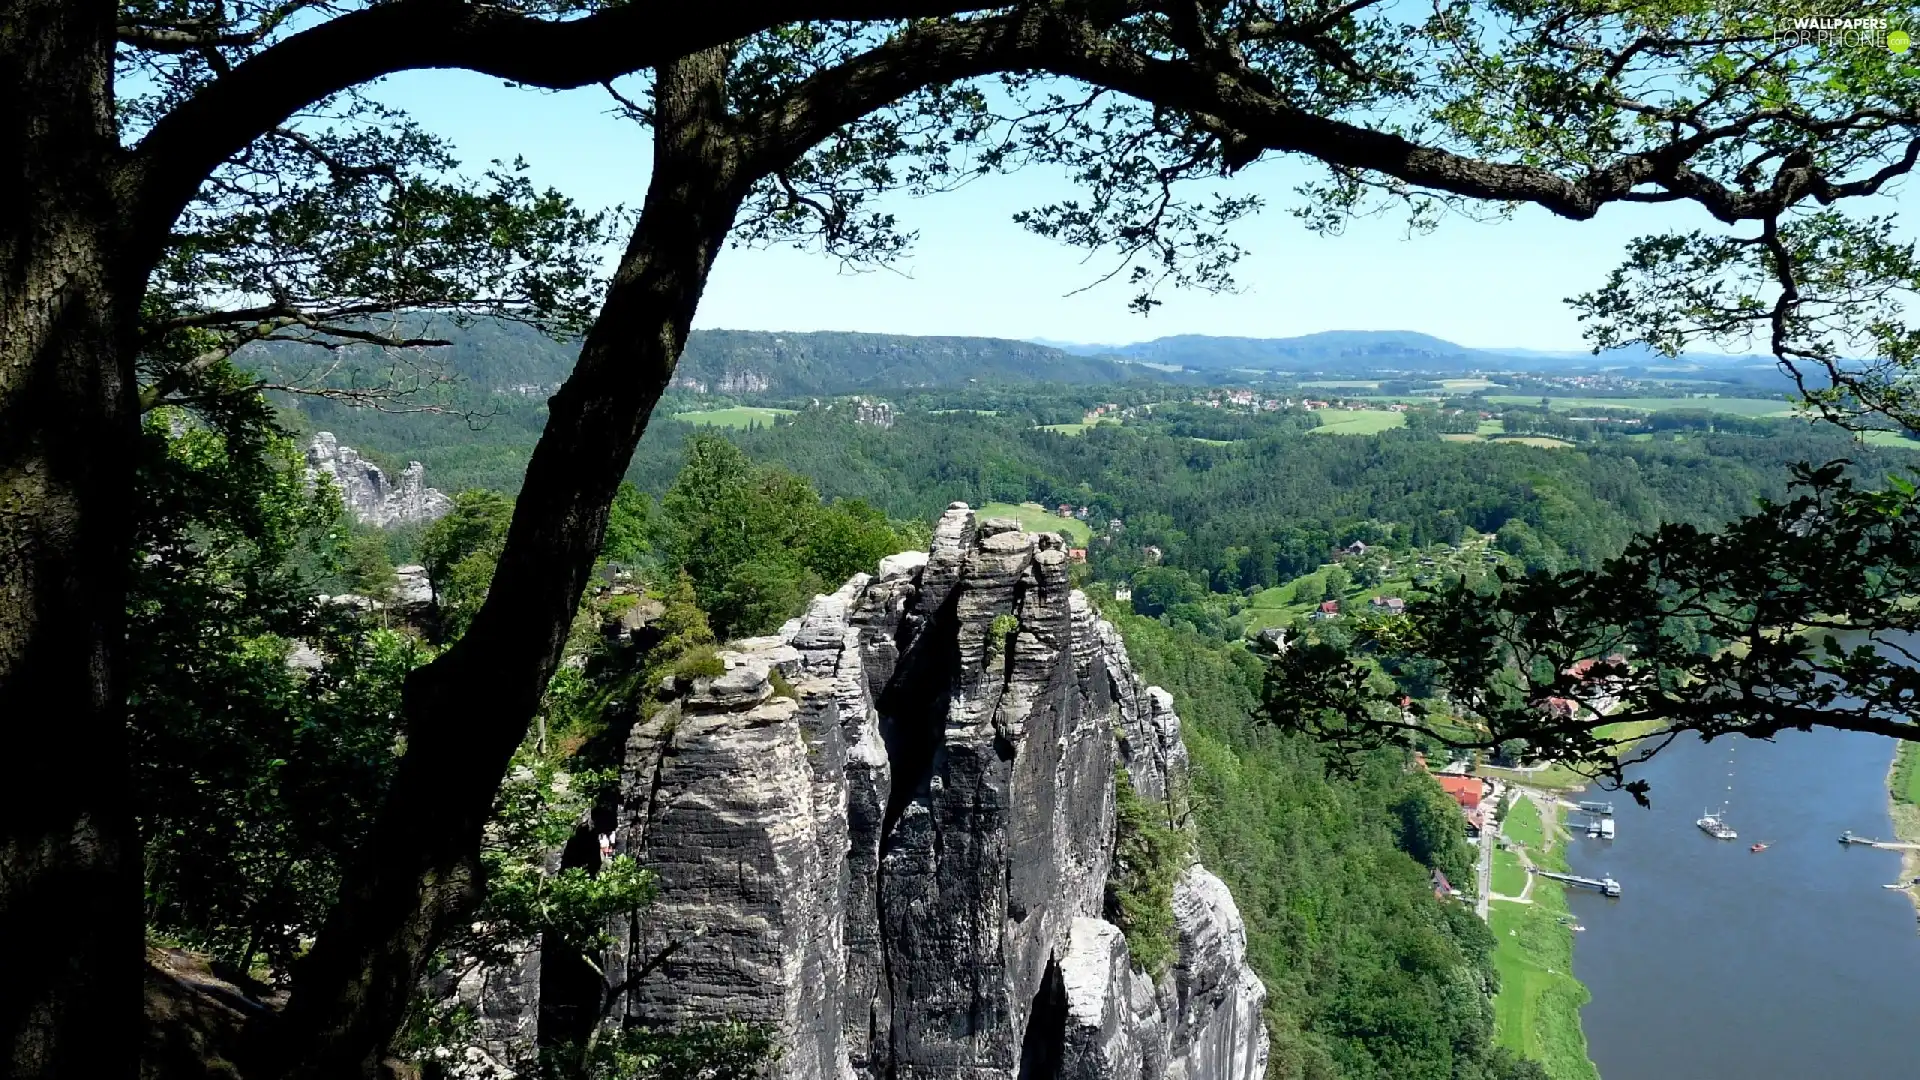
x=1390, y=605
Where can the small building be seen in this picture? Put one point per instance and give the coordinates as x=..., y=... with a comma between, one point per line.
x=1391, y=605
x=1329, y=609
x=1066, y=509
x=1123, y=593
x=1466, y=790
x=1077, y=555
x=1442, y=888
x=1358, y=547
x=1152, y=554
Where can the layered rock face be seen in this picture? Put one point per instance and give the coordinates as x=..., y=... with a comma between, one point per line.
x=886, y=834
x=365, y=490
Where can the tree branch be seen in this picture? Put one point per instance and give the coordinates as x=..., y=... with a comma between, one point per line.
x=162, y=173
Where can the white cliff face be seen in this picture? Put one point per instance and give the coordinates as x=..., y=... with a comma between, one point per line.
x=365, y=490
x=901, y=868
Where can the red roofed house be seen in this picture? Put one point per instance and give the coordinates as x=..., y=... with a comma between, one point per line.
x=1466, y=790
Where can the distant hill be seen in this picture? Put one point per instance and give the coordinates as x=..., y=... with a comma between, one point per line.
x=1329, y=350
x=499, y=356
x=831, y=362
x=1372, y=351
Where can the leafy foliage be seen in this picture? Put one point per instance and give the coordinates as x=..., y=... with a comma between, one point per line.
x=255, y=776
x=1149, y=854
x=1368, y=975
x=1793, y=617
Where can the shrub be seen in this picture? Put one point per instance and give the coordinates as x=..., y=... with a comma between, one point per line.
x=1148, y=857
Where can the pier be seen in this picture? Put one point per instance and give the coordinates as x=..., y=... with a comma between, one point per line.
x=1608, y=886
x=1851, y=837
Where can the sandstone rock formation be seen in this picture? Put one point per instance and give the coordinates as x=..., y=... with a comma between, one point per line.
x=885, y=834
x=366, y=491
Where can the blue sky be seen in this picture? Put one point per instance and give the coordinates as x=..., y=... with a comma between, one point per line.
x=973, y=271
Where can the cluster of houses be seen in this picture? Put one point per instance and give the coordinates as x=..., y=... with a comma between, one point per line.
x=1378, y=605
x=1600, y=682
x=1475, y=798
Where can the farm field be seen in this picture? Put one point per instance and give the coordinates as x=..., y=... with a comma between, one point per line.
x=737, y=417
x=1066, y=429
x=1890, y=438
x=1542, y=441
x=1732, y=406
x=1358, y=421
x=1035, y=518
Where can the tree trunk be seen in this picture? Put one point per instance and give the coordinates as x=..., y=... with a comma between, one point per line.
x=467, y=711
x=70, y=896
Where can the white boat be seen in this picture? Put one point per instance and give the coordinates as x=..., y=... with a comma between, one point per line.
x=1714, y=826
x=1593, y=827
x=1606, y=829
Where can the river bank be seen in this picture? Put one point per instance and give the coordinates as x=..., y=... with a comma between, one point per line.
x=1903, y=805
x=1537, y=1012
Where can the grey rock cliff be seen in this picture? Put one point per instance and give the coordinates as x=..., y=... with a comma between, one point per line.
x=898, y=861
x=365, y=490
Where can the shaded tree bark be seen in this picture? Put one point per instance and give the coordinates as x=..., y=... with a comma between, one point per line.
x=468, y=710
x=70, y=894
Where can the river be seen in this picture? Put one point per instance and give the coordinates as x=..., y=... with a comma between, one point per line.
x=1720, y=963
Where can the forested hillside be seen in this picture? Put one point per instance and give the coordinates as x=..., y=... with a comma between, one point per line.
x=494, y=356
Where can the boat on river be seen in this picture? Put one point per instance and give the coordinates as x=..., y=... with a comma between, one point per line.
x=1715, y=826
x=1606, y=829
x=1757, y=848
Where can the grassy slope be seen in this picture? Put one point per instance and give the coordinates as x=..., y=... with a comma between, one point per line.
x=1509, y=877
x=1537, y=1012
x=1034, y=519
x=1523, y=825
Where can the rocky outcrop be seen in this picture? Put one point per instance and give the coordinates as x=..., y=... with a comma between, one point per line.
x=365, y=490
x=873, y=413
x=885, y=834
x=899, y=860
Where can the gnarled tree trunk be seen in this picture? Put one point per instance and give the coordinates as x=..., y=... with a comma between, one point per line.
x=70, y=898
x=468, y=710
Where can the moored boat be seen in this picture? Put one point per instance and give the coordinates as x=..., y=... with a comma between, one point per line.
x=1713, y=825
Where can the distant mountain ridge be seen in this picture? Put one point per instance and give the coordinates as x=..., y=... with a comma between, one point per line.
x=1363, y=351
x=506, y=357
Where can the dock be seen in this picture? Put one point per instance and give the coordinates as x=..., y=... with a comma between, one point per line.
x=1851, y=837
x=1605, y=808
x=1607, y=886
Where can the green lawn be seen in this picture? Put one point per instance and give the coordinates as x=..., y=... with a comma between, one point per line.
x=1468, y=384
x=1342, y=384
x=1492, y=427
x=1553, y=777
x=1460, y=436
x=1906, y=773
x=1066, y=429
x=1631, y=730
x=737, y=417
x=1733, y=406
x=1509, y=875
x=1358, y=421
x=1036, y=519
x=1523, y=826
x=1537, y=1012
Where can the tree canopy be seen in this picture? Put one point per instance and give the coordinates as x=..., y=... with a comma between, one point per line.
x=193, y=176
